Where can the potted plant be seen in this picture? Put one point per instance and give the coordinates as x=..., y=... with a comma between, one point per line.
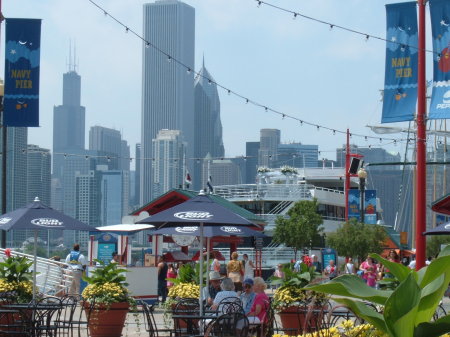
x=263, y=169
x=185, y=287
x=292, y=302
x=15, y=279
x=286, y=170
x=107, y=300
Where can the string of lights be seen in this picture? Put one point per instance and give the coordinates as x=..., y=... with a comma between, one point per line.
x=279, y=156
x=367, y=36
x=189, y=69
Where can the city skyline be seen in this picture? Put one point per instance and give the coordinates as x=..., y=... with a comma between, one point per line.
x=266, y=66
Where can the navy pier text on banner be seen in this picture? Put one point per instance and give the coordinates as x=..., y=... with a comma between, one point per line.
x=400, y=81
x=22, y=63
x=440, y=26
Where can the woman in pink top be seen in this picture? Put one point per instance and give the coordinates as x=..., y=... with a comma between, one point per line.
x=369, y=269
x=258, y=310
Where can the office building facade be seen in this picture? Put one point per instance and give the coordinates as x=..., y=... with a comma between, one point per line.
x=268, y=147
x=168, y=89
x=38, y=174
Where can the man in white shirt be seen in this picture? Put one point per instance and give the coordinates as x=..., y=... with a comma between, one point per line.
x=78, y=263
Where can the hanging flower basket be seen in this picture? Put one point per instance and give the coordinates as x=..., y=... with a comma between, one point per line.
x=288, y=170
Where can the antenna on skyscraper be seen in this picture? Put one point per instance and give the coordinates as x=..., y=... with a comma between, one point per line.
x=69, y=64
x=75, y=57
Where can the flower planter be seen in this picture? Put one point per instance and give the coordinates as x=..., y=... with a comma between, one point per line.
x=106, y=321
x=293, y=320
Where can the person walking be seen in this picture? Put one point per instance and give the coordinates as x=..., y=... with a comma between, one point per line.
x=162, y=275
x=77, y=263
x=249, y=267
x=235, y=270
x=331, y=270
x=350, y=266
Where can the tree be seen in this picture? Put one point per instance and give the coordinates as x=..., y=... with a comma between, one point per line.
x=357, y=239
x=302, y=227
x=434, y=243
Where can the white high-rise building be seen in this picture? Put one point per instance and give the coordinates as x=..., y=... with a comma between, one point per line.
x=168, y=166
x=167, y=88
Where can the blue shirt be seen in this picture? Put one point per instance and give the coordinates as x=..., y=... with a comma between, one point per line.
x=247, y=301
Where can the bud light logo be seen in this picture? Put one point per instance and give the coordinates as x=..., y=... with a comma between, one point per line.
x=194, y=216
x=4, y=221
x=187, y=230
x=446, y=226
x=46, y=222
x=231, y=230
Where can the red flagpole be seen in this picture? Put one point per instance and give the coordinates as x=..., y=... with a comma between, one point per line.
x=421, y=144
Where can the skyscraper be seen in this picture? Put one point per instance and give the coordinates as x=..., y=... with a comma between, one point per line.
x=251, y=165
x=297, y=155
x=268, y=147
x=169, y=153
x=68, y=122
x=108, y=142
x=168, y=90
x=38, y=174
x=16, y=168
x=208, y=138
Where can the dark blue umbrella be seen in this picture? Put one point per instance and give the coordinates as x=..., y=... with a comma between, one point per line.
x=199, y=211
x=209, y=231
x=37, y=216
x=443, y=229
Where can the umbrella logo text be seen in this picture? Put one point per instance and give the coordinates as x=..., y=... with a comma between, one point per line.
x=186, y=229
x=46, y=222
x=446, y=226
x=231, y=230
x=4, y=221
x=194, y=216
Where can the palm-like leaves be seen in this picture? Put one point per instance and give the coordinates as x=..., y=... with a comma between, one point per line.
x=16, y=268
x=409, y=308
x=110, y=273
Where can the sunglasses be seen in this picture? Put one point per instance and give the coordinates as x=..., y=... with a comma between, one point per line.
x=247, y=285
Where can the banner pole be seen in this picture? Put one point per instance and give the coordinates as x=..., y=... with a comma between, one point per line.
x=347, y=173
x=421, y=144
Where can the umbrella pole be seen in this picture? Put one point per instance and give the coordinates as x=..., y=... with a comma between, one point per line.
x=201, y=269
x=35, y=265
x=208, y=249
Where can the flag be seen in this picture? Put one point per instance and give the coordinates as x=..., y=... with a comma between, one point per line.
x=188, y=179
x=400, y=80
x=440, y=26
x=209, y=184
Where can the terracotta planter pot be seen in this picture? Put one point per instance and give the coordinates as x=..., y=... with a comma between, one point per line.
x=293, y=319
x=107, y=321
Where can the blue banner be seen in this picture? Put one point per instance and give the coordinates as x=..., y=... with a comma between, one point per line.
x=400, y=81
x=353, y=204
x=440, y=24
x=370, y=205
x=22, y=60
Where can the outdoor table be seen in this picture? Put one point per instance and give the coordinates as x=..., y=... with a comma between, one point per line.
x=36, y=317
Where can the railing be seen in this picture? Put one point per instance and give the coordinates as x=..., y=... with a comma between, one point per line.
x=52, y=277
x=253, y=192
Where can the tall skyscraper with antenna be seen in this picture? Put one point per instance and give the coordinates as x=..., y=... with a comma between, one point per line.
x=168, y=89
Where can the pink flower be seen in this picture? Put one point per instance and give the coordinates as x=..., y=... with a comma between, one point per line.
x=8, y=252
x=307, y=260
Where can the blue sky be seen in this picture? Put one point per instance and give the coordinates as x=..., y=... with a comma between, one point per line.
x=302, y=68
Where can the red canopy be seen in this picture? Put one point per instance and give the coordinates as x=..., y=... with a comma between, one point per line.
x=176, y=257
x=219, y=255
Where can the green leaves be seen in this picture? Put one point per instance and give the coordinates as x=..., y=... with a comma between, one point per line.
x=16, y=268
x=409, y=308
x=106, y=273
x=352, y=286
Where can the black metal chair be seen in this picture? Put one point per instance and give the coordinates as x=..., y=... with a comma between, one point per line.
x=186, y=326
x=267, y=326
x=229, y=305
x=228, y=325
x=150, y=323
x=66, y=322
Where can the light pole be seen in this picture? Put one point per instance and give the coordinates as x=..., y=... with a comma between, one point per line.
x=362, y=175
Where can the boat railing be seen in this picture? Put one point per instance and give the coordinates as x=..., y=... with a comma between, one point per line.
x=52, y=278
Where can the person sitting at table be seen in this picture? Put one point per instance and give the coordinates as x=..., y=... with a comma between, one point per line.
x=258, y=310
x=248, y=295
x=209, y=293
x=227, y=287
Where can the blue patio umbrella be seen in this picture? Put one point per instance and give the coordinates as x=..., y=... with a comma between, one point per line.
x=38, y=216
x=209, y=231
x=443, y=229
x=199, y=211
